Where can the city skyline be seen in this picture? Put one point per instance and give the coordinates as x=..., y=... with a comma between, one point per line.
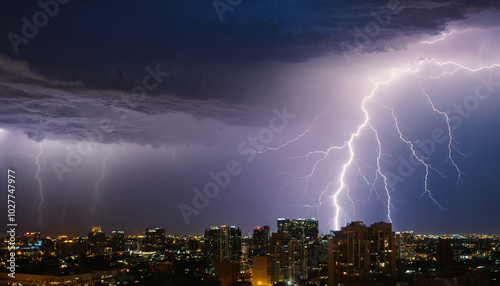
x=273, y=229
x=188, y=114
x=295, y=255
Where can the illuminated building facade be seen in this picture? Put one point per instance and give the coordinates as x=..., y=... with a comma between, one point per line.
x=97, y=240
x=260, y=240
x=154, y=240
x=360, y=253
x=65, y=245
x=299, y=228
x=223, y=244
x=117, y=241
x=287, y=259
x=405, y=245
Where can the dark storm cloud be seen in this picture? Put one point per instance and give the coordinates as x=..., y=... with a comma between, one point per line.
x=107, y=44
x=72, y=82
x=88, y=50
x=43, y=108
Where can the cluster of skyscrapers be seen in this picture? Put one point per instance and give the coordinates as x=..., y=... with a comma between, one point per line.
x=153, y=241
x=294, y=254
x=356, y=253
x=275, y=257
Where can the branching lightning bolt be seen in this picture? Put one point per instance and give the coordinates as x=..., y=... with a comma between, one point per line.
x=339, y=185
x=366, y=180
x=450, y=135
x=441, y=38
x=299, y=136
x=455, y=68
x=427, y=166
x=36, y=178
x=40, y=186
x=97, y=192
x=349, y=144
x=378, y=172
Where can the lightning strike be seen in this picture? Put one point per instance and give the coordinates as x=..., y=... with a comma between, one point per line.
x=369, y=183
x=294, y=178
x=365, y=179
x=442, y=37
x=40, y=186
x=349, y=143
x=450, y=136
x=97, y=192
x=36, y=177
x=446, y=68
x=414, y=153
x=379, y=172
x=455, y=68
x=299, y=136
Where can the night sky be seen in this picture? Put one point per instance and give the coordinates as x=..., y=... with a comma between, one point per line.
x=185, y=114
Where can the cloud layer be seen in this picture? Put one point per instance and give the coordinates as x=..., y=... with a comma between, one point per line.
x=43, y=108
x=110, y=49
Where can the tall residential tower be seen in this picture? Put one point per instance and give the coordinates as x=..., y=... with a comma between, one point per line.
x=360, y=253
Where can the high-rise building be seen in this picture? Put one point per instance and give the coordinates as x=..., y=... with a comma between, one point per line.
x=445, y=253
x=260, y=240
x=260, y=267
x=287, y=259
x=361, y=253
x=154, y=239
x=31, y=238
x=193, y=244
x=31, y=243
x=299, y=228
x=227, y=273
x=97, y=240
x=133, y=243
x=223, y=244
x=65, y=245
x=117, y=241
x=405, y=245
